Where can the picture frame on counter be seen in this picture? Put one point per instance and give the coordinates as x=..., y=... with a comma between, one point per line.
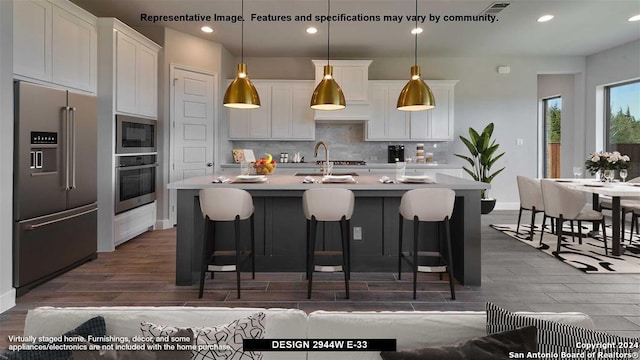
x=240, y=155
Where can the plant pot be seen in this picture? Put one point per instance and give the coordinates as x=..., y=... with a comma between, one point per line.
x=487, y=205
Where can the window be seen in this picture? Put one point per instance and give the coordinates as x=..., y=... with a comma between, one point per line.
x=552, y=121
x=622, y=116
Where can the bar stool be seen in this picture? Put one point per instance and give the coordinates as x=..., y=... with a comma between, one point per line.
x=223, y=205
x=333, y=204
x=427, y=205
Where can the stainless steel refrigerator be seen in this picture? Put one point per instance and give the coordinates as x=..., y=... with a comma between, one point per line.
x=55, y=177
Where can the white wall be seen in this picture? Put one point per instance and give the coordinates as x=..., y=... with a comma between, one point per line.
x=7, y=292
x=605, y=68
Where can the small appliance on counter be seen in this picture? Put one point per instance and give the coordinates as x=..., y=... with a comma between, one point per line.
x=395, y=153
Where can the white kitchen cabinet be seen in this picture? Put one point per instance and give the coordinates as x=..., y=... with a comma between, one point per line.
x=386, y=123
x=253, y=123
x=55, y=42
x=353, y=78
x=435, y=124
x=284, y=113
x=351, y=75
x=291, y=115
x=128, y=79
x=147, y=80
x=136, y=73
x=125, y=71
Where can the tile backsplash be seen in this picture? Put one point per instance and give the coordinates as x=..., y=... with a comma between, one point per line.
x=346, y=142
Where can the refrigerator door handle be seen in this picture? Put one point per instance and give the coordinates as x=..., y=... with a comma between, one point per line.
x=35, y=226
x=66, y=148
x=73, y=146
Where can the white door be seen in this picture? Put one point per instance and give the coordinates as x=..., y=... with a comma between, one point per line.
x=192, y=128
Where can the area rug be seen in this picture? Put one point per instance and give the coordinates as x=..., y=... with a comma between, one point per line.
x=589, y=256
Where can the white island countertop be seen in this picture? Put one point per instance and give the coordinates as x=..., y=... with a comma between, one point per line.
x=286, y=180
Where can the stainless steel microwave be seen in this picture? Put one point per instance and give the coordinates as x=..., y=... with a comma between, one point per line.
x=135, y=135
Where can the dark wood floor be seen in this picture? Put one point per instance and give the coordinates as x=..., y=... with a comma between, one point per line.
x=516, y=276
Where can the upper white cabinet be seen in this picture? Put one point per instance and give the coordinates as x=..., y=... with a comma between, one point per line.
x=55, y=42
x=253, y=123
x=284, y=113
x=353, y=78
x=351, y=75
x=387, y=123
x=136, y=72
x=435, y=124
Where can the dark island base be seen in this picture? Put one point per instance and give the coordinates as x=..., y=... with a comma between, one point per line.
x=281, y=232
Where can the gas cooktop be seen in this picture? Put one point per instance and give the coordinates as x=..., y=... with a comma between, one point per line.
x=343, y=162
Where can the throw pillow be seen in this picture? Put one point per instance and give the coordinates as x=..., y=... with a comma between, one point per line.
x=143, y=351
x=557, y=338
x=491, y=347
x=94, y=326
x=218, y=342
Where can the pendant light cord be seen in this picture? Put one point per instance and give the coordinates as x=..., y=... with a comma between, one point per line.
x=242, y=32
x=328, y=28
x=415, y=47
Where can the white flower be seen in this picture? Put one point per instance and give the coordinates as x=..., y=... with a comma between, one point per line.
x=595, y=158
x=625, y=158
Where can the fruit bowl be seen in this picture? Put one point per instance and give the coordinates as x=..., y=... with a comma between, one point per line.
x=264, y=169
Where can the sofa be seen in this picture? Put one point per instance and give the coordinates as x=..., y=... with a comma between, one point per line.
x=411, y=329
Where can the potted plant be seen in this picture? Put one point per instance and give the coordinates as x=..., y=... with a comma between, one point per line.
x=482, y=149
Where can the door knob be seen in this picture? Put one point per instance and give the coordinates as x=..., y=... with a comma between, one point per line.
x=209, y=164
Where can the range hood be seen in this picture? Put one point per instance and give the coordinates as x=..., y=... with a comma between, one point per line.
x=353, y=78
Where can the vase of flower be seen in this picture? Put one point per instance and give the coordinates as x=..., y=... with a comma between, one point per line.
x=606, y=163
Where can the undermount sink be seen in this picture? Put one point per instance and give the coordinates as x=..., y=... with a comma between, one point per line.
x=317, y=173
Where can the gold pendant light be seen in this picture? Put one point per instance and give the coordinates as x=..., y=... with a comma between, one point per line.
x=416, y=94
x=241, y=94
x=328, y=94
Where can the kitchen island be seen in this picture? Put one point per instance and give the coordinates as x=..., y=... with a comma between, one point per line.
x=280, y=226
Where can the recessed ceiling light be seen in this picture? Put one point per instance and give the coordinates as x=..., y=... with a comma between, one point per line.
x=206, y=29
x=311, y=30
x=635, y=18
x=545, y=18
x=417, y=30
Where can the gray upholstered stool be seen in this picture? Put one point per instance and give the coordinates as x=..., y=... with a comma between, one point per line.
x=427, y=205
x=225, y=204
x=323, y=204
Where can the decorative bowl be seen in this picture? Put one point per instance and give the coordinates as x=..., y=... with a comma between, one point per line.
x=264, y=169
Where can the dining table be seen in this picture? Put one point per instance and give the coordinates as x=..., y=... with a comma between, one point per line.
x=616, y=190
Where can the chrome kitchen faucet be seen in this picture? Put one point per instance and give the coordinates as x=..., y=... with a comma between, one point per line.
x=325, y=167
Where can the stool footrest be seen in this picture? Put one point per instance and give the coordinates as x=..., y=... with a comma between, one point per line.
x=434, y=269
x=328, y=268
x=221, y=267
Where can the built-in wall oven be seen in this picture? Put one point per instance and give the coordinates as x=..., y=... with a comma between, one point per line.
x=135, y=181
x=135, y=135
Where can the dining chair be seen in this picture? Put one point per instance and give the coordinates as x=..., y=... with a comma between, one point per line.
x=530, y=199
x=566, y=204
x=225, y=205
x=628, y=205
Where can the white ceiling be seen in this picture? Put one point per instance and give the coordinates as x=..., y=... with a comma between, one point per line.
x=580, y=27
